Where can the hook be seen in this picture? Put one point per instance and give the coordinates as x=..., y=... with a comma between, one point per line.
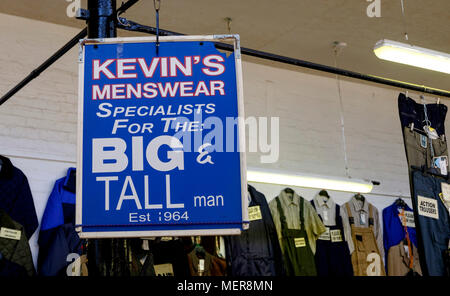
x=157, y=5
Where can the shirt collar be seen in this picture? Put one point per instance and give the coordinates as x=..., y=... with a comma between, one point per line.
x=7, y=168
x=359, y=205
x=287, y=201
x=70, y=180
x=323, y=201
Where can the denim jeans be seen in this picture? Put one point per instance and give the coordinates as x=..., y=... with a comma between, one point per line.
x=433, y=234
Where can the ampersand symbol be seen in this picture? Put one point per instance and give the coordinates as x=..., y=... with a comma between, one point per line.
x=203, y=157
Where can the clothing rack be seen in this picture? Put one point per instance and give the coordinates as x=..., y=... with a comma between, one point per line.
x=125, y=24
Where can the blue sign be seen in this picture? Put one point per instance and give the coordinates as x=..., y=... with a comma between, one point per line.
x=160, y=150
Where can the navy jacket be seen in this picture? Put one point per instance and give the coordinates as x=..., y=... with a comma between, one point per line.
x=256, y=252
x=15, y=197
x=57, y=236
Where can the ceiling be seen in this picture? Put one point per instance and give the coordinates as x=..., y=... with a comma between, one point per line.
x=303, y=29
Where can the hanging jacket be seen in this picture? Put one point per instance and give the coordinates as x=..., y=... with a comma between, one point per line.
x=15, y=253
x=256, y=252
x=57, y=236
x=16, y=198
x=394, y=231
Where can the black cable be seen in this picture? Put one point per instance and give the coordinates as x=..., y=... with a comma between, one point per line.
x=36, y=72
x=132, y=26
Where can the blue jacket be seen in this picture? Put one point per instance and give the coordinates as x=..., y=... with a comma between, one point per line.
x=57, y=236
x=393, y=230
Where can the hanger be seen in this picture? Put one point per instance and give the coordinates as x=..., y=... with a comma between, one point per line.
x=199, y=250
x=323, y=192
x=400, y=202
x=289, y=190
x=360, y=197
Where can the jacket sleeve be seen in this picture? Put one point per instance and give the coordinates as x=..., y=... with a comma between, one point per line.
x=53, y=248
x=23, y=210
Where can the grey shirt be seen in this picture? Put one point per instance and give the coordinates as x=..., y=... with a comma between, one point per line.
x=291, y=208
x=326, y=208
x=361, y=209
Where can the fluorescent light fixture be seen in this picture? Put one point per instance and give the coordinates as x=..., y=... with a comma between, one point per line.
x=412, y=55
x=308, y=181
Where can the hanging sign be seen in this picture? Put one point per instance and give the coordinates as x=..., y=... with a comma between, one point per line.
x=428, y=207
x=161, y=138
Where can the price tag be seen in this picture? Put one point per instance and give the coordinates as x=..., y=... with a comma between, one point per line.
x=164, y=269
x=145, y=246
x=441, y=162
x=254, y=213
x=336, y=236
x=10, y=233
x=201, y=265
x=299, y=242
x=445, y=191
x=325, y=235
x=408, y=219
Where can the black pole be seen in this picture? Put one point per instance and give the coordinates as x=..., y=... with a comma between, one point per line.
x=35, y=73
x=102, y=22
x=132, y=26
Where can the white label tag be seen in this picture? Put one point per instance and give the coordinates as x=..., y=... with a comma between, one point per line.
x=10, y=233
x=325, y=235
x=299, y=242
x=145, y=246
x=408, y=221
x=406, y=250
x=362, y=218
x=445, y=191
x=201, y=265
x=443, y=166
x=441, y=162
x=325, y=216
x=427, y=207
x=336, y=236
x=164, y=269
x=254, y=213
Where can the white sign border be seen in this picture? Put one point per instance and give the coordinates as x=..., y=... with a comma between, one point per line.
x=241, y=137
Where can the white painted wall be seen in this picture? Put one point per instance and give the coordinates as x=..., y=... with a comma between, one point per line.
x=38, y=125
